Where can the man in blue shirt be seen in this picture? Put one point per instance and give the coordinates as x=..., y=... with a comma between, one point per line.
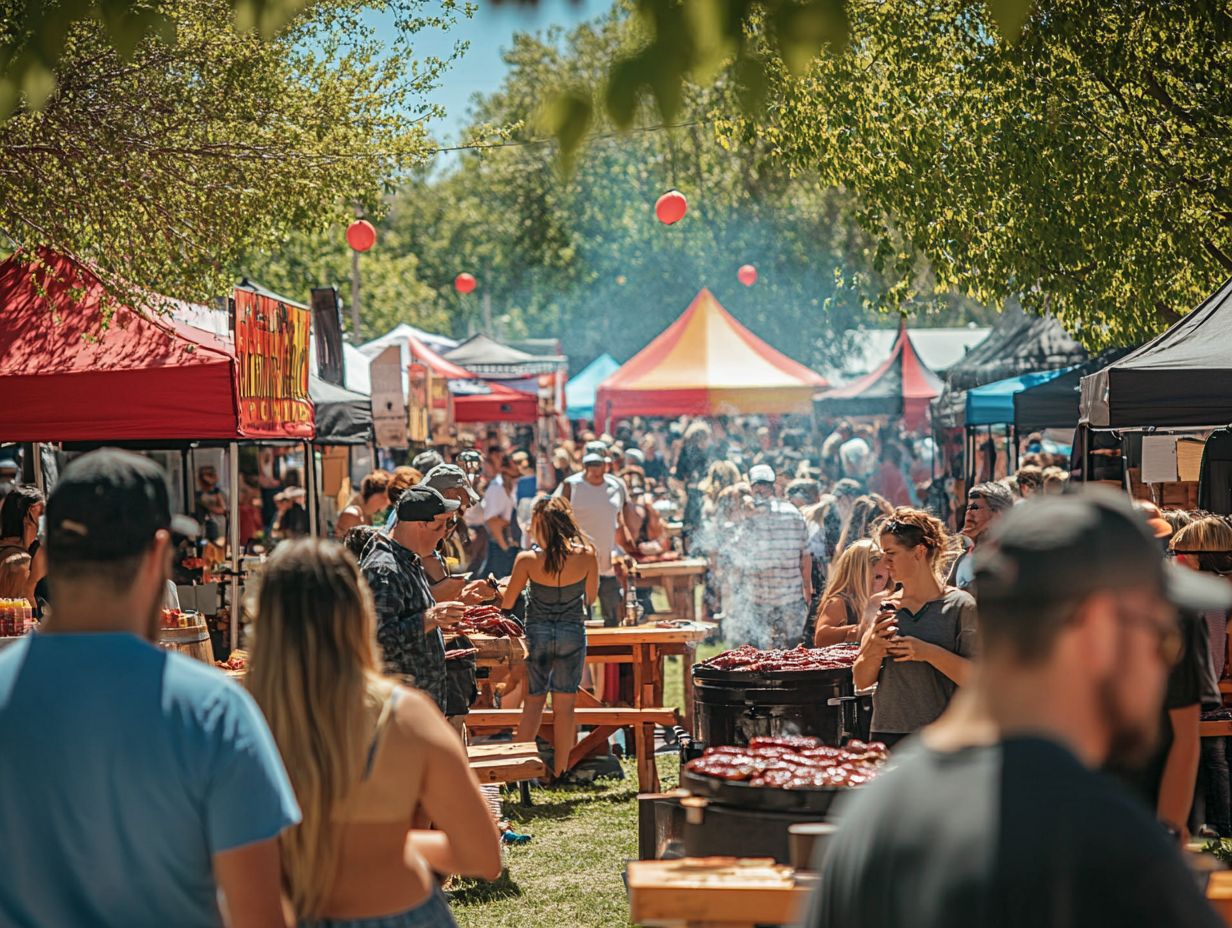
x=143, y=787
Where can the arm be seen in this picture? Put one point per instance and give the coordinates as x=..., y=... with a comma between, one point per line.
x=38, y=570
x=497, y=528
x=592, y=579
x=250, y=880
x=873, y=649
x=517, y=580
x=1176, y=788
x=832, y=627
x=466, y=842
x=806, y=573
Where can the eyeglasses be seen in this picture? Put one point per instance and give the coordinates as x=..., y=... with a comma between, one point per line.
x=1167, y=633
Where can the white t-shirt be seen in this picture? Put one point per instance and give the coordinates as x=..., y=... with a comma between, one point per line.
x=855, y=454
x=474, y=516
x=596, y=509
x=497, y=501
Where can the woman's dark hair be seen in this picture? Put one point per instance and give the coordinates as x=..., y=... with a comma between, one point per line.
x=14, y=509
x=375, y=483
x=357, y=539
x=558, y=531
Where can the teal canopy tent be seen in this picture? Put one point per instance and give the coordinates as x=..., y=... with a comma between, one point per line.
x=580, y=391
x=993, y=403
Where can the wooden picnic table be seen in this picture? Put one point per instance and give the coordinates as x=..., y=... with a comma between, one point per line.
x=644, y=647
x=506, y=761
x=729, y=892
x=679, y=579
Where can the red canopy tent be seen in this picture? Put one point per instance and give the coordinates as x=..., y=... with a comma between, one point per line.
x=902, y=385
x=64, y=378
x=475, y=400
x=705, y=364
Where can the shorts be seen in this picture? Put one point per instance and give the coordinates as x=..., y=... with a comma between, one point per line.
x=433, y=912
x=556, y=654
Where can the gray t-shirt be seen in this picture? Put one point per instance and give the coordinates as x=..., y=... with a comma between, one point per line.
x=910, y=694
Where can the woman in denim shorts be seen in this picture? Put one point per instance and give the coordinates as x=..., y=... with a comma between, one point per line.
x=366, y=756
x=561, y=580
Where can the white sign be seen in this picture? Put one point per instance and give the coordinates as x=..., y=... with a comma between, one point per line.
x=388, y=401
x=1159, y=459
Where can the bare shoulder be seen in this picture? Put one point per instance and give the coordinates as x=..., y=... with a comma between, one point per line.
x=417, y=717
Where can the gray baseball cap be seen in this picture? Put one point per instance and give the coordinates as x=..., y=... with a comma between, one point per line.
x=450, y=477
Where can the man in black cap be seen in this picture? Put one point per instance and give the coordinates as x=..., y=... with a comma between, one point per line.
x=409, y=619
x=142, y=782
x=997, y=816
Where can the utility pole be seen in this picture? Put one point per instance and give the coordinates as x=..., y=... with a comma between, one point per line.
x=356, y=331
x=487, y=314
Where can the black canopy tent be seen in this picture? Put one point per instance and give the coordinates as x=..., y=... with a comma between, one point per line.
x=1019, y=343
x=343, y=416
x=1181, y=379
x=1054, y=404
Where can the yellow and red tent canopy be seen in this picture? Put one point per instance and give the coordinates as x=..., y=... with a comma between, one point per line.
x=707, y=364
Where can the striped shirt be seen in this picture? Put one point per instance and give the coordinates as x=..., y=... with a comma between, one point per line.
x=773, y=538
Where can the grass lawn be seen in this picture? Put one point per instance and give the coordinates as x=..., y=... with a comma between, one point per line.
x=570, y=875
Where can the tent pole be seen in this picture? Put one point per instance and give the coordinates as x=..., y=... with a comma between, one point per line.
x=310, y=475
x=234, y=580
x=40, y=479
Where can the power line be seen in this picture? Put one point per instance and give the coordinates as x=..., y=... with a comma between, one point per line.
x=596, y=137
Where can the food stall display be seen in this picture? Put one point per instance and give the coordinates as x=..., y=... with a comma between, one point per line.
x=186, y=633
x=790, y=763
x=746, y=693
x=487, y=620
x=16, y=618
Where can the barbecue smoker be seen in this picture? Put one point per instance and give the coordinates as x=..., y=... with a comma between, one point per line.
x=732, y=706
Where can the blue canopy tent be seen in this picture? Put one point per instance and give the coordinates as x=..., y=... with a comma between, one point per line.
x=993, y=403
x=580, y=391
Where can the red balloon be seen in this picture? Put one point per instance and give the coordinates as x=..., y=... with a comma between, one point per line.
x=671, y=207
x=747, y=275
x=464, y=282
x=360, y=235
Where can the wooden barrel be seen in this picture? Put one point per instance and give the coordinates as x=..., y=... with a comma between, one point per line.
x=193, y=641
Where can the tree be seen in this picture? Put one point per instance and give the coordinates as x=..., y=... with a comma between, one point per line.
x=1084, y=167
x=581, y=256
x=163, y=166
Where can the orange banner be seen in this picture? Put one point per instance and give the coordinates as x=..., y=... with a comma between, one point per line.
x=271, y=344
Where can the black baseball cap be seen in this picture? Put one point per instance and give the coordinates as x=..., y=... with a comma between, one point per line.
x=107, y=505
x=1058, y=548
x=423, y=504
x=426, y=460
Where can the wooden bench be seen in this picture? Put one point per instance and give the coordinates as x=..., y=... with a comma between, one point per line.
x=604, y=722
x=506, y=761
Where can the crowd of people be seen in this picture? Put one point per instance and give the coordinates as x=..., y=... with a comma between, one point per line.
x=335, y=791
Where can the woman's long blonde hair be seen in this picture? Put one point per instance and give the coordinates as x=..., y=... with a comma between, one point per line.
x=851, y=577
x=315, y=674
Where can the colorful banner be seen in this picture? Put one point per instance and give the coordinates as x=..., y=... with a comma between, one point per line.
x=271, y=345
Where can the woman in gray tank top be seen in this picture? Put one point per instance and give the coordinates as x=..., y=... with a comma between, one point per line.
x=560, y=577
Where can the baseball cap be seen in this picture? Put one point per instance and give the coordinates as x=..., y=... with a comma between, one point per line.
x=423, y=504
x=426, y=460
x=7, y=462
x=1066, y=547
x=595, y=447
x=635, y=456
x=761, y=473
x=449, y=477
x=591, y=458
x=107, y=506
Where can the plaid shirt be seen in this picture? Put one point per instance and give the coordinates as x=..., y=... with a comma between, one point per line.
x=400, y=591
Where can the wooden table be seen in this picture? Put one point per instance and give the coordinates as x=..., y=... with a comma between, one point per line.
x=679, y=579
x=707, y=892
x=738, y=893
x=644, y=646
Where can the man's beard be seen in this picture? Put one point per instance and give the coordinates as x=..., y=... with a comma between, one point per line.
x=1130, y=743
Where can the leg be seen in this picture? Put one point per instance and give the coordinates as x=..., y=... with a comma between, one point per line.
x=564, y=731
x=609, y=601
x=532, y=718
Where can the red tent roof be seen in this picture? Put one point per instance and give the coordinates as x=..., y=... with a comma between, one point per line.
x=706, y=363
x=493, y=402
x=63, y=378
x=902, y=385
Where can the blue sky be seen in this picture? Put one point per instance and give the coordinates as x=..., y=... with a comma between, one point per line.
x=490, y=31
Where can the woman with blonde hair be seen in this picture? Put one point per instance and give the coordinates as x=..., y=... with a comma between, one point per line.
x=722, y=474
x=919, y=649
x=849, y=591
x=366, y=756
x=561, y=580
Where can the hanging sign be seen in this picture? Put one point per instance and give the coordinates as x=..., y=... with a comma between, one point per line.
x=388, y=401
x=271, y=346
x=419, y=390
